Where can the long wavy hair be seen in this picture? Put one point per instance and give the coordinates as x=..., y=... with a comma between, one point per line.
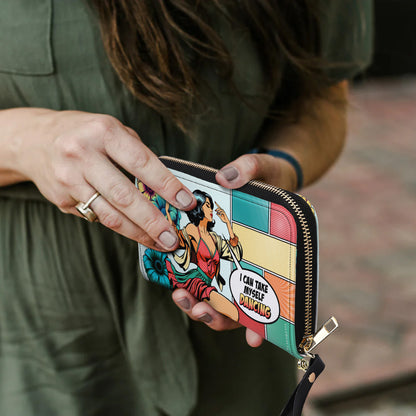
x=157, y=46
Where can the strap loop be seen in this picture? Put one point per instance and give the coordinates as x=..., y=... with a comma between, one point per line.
x=295, y=404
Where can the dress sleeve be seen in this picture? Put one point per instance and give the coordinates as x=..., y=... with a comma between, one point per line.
x=183, y=257
x=223, y=247
x=346, y=36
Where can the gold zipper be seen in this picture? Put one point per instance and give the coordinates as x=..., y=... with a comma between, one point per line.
x=308, y=336
x=309, y=343
x=308, y=249
x=310, y=340
x=189, y=163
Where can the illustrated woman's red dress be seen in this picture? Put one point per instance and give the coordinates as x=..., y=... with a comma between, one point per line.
x=198, y=281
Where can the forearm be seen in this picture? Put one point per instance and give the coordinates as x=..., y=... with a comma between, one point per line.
x=316, y=138
x=230, y=230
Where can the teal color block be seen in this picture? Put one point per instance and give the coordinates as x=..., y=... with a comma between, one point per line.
x=251, y=211
x=282, y=334
x=247, y=266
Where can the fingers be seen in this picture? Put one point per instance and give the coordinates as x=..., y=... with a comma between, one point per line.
x=262, y=167
x=253, y=338
x=221, y=213
x=202, y=311
x=125, y=210
x=79, y=153
x=112, y=218
x=126, y=149
x=95, y=151
x=240, y=171
x=219, y=210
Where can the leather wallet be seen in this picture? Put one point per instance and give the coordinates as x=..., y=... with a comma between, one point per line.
x=252, y=253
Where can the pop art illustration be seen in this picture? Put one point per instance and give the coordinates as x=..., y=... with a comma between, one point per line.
x=240, y=253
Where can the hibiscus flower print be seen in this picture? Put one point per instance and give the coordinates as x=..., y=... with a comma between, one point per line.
x=174, y=213
x=155, y=266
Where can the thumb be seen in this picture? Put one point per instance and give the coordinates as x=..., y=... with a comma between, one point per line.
x=262, y=167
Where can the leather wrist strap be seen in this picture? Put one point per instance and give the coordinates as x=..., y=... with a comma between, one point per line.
x=295, y=404
x=286, y=156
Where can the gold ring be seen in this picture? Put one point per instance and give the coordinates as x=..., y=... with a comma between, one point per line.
x=85, y=210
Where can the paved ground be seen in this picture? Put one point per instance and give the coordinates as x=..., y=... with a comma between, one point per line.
x=367, y=213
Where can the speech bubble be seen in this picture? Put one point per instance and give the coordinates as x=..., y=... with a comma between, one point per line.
x=254, y=294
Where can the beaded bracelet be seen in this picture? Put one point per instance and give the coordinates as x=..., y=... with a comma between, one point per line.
x=286, y=156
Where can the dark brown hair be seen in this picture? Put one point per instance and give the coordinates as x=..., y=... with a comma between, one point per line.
x=157, y=46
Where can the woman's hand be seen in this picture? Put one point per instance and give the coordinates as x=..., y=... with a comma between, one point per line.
x=70, y=155
x=203, y=312
x=248, y=167
x=236, y=174
x=221, y=214
x=315, y=141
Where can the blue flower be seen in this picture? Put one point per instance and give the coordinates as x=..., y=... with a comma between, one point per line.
x=155, y=266
x=174, y=213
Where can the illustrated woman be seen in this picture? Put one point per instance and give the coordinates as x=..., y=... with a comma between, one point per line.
x=204, y=248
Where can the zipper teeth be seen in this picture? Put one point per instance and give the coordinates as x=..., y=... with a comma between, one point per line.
x=188, y=163
x=306, y=238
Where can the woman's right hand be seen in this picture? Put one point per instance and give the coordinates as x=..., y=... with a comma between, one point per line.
x=70, y=155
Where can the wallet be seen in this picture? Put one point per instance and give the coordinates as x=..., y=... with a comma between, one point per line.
x=251, y=253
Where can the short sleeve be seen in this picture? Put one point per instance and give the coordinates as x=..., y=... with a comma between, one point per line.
x=346, y=37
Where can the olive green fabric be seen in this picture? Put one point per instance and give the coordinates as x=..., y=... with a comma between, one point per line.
x=81, y=332
x=347, y=36
x=78, y=337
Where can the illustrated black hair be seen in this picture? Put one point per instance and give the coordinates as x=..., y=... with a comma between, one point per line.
x=196, y=215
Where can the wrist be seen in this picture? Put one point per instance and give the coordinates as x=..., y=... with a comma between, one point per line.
x=11, y=143
x=26, y=130
x=289, y=159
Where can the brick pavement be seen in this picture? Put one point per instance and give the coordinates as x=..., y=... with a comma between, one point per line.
x=367, y=213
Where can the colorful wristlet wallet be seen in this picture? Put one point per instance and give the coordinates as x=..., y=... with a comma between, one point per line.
x=252, y=254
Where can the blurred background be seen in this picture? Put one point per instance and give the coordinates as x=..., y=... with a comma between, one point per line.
x=367, y=213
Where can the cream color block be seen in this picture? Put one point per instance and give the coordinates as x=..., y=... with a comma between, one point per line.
x=267, y=252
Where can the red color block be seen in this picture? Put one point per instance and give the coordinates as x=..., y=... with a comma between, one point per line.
x=282, y=223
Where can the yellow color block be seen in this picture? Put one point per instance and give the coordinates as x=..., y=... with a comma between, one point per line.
x=267, y=252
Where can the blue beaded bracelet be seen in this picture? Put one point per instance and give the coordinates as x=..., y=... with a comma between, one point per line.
x=286, y=156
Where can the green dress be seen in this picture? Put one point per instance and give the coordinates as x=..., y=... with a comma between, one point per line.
x=81, y=332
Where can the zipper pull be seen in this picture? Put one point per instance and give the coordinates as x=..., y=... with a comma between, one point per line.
x=325, y=331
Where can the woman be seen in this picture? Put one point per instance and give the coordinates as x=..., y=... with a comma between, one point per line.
x=204, y=248
x=81, y=334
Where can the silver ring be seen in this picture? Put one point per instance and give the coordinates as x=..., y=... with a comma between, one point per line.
x=85, y=210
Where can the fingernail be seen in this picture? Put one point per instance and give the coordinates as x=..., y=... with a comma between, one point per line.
x=168, y=239
x=184, y=304
x=206, y=318
x=230, y=173
x=184, y=198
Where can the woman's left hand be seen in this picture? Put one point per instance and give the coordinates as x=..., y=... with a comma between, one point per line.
x=203, y=312
x=221, y=214
x=315, y=141
x=234, y=175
